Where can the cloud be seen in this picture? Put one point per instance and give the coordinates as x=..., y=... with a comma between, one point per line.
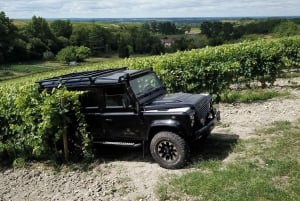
x=148, y=8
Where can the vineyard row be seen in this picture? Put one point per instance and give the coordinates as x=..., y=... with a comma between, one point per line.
x=31, y=122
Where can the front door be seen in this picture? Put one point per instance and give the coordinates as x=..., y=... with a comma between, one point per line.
x=120, y=120
x=92, y=102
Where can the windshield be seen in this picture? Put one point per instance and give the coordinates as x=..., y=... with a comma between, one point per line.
x=145, y=84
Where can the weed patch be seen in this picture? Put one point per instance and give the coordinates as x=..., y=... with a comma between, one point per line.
x=248, y=96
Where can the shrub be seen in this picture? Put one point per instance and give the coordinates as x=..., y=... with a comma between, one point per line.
x=48, y=55
x=82, y=53
x=73, y=53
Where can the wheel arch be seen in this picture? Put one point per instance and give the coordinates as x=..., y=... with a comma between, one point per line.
x=164, y=125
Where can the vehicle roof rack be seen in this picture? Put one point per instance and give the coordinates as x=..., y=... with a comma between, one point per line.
x=82, y=79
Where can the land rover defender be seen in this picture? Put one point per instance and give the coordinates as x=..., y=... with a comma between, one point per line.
x=132, y=107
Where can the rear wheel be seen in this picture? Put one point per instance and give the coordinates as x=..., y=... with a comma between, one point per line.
x=169, y=150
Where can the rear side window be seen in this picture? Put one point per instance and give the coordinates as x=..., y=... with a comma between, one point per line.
x=116, y=97
x=92, y=98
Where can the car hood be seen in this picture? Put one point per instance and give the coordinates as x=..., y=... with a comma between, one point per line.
x=178, y=100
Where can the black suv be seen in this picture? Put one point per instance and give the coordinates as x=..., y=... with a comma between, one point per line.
x=132, y=107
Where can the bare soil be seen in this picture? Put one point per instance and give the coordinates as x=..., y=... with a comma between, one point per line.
x=123, y=174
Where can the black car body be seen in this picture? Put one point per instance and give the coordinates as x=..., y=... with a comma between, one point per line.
x=131, y=107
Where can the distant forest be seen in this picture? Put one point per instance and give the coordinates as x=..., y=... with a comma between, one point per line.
x=65, y=40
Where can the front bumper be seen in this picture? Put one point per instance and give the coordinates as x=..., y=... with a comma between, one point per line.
x=208, y=127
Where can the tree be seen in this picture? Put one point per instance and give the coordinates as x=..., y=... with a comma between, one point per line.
x=124, y=47
x=161, y=27
x=80, y=36
x=200, y=41
x=62, y=42
x=123, y=51
x=206, y=29
x=98, y=39
x=48, y=56
x=180, y=44
x=146, y=26
x=218, y=32
x=36, y=47
x=228, y=31
x=62, y=28
x=261, y=26
x=167, y=28
x=288, y=28
x=82, y=53
x=38, y=28
x=67, y=54
x=73, y=53
x=8, y=36
x=39, y=37
x=156, y=46
x=153, y=26
x=142, y=41
x=125, y=44
x=19, y=52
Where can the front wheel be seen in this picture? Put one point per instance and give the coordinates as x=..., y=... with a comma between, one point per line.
x=169, y=150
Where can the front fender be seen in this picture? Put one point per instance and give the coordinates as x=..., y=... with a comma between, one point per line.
x=165, y=124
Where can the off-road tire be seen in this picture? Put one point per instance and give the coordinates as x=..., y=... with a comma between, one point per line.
x=169, y=150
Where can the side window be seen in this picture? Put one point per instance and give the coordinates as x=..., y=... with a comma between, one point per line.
x=116, y=97
x=92, y=98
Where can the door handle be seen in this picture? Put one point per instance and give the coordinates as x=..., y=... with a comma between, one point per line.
x=108, y=120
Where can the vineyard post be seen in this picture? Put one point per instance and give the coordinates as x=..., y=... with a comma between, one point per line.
x=65, y=131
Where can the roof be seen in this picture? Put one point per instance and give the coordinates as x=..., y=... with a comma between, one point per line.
x=90, y=78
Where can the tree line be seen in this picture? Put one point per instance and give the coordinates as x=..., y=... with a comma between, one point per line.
x=67, y=41
x=218, y=33
x=40, y=39
x=60, y=39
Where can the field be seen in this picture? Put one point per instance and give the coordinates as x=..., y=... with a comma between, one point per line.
x=12, y=71
x=8, y=72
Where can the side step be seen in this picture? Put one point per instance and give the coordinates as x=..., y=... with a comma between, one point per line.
x=121, y=144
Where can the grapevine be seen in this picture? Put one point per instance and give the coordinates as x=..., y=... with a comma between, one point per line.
x=31, y=121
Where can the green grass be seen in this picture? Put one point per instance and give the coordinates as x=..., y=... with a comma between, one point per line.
x=251, y=95
x=37, y=70
x=6, y=73
x=20, y=70
x=264, y=168
x=289, y=75
x=195, y=30
x=34, y=68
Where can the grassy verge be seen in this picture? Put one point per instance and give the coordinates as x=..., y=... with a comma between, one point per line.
x=264, y=168
x=251, y=95
x=41, y=69
x=19, y=70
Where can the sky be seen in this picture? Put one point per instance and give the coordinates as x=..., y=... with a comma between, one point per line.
x=148, y=8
